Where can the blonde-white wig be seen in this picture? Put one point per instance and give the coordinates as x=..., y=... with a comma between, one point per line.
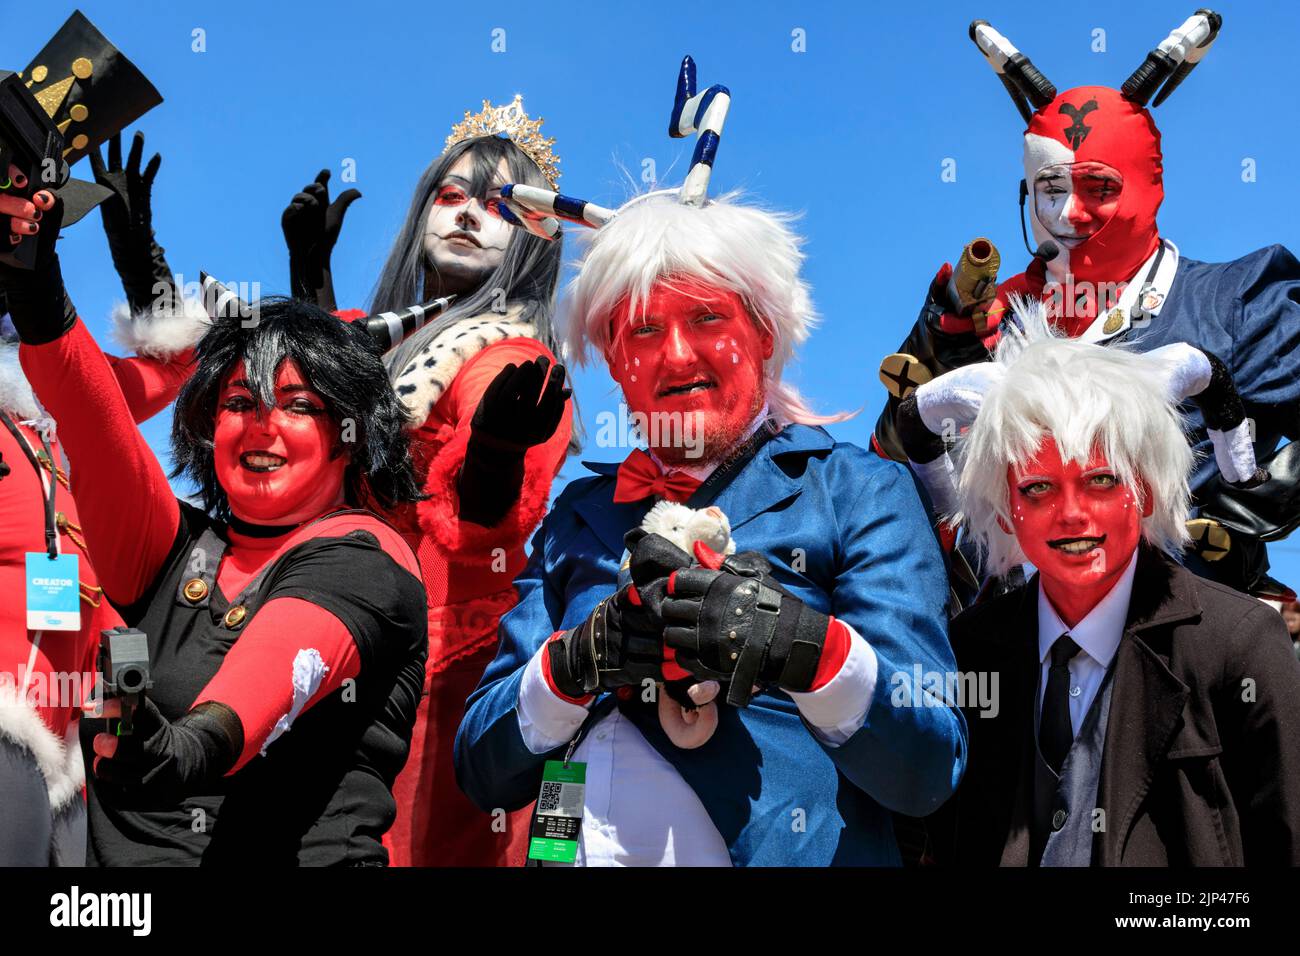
x=749, y=251
x=1086, y=396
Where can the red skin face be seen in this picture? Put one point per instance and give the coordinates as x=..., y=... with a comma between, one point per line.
x=302, y=474
x=1056, y=504
x=695, y=351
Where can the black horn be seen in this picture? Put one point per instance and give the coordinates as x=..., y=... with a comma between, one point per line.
x=1028, y=88
x=1173, y=60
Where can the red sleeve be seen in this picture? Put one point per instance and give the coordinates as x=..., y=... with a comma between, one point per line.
x=127, y=509
x=148, y=384
x=256, y=679
x=438, y=516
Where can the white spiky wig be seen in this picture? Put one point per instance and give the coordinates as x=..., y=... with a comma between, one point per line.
x=1087, y=396
x=749, y=251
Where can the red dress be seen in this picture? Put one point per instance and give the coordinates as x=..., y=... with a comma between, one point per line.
x=468, y=573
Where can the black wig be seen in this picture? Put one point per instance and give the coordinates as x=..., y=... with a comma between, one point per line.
x=340, y=362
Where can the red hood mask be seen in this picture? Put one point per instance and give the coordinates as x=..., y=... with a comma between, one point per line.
x=1076, y=148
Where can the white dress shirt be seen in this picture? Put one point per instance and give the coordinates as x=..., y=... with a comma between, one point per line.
x=638, y=811
x=1098, y=636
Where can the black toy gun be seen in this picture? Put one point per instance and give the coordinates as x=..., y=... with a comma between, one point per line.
x=30, y=141
x=124, y=671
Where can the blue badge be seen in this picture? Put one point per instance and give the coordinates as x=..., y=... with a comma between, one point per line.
x=53, y=594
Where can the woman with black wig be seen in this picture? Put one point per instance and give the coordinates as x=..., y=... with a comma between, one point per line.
x=286, y=626
x=486, y=449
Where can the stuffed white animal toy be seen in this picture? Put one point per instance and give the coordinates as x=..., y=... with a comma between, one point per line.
x=688, y=727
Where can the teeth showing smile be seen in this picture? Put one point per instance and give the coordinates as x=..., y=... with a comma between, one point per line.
x=261, y=461
x=688, y=389
x=1077, y=545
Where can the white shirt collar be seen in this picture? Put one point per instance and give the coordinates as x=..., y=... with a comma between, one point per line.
x=1099, y=633
x=702, y=472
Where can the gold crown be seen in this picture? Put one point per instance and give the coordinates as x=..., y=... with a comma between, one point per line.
x=512, y=122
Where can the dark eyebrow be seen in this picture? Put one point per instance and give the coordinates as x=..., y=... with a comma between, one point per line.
x=296, y=387
x=447, y=180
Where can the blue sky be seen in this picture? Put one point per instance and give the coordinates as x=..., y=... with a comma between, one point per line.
x=852, y=132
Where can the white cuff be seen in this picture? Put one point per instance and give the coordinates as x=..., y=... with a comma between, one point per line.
x=838, y=710
x=545, y=720
x=940, y=479
x=1234, y=452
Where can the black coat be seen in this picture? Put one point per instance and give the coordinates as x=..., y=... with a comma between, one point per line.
x=1201, y=764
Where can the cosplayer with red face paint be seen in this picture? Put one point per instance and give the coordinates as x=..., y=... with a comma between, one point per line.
x=1093, y=185
x=696, y=356
x=696, y=307
x=490, y=425
x=262, y=608
x=1119, y=671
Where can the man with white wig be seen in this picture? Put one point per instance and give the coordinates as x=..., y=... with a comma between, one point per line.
x=696, y=307
x=1145, y=716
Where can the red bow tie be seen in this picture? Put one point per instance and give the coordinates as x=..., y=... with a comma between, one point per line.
x=639, y=477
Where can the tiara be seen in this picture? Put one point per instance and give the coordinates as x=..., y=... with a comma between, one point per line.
x=512, y=122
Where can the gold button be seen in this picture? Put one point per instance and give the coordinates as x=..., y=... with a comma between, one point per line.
x=195, y=590
x=235, y=616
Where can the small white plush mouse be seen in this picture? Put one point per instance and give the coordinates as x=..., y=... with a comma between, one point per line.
x=686, y=727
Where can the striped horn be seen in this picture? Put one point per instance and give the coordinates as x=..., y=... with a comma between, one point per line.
x=389, y=328
x=544, y=204
x=220, y=302
x=1174, y=59
x=703, y=112
x=1028, y=88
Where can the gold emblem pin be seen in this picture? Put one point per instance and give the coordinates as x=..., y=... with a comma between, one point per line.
x=195, y=590
x=1209, y=538
x=1114, y=322
x=235, y=616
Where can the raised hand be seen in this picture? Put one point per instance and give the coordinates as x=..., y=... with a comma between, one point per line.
x=311, y=225
x=128, y=222
x=511, y=416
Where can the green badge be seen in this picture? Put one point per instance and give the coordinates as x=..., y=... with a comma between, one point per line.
x=557, y=820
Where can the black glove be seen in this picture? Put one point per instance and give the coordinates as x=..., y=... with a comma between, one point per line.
x=166, y=761
x=739, y=625
x=37, y=302
x=621, y=641
x=128, y=224
x=311, y=225
x=509, y=420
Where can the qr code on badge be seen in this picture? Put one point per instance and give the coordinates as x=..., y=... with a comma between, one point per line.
x=549, y=801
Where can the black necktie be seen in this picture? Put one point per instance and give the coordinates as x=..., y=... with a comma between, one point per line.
x=1054, y=731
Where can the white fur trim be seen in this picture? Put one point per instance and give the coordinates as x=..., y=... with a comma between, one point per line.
x=59, y=761
x=162, y=333
x=434, y=367
x=16, y=395
x=309, y=670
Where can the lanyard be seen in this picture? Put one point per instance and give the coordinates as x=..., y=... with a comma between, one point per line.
x=712, y=485
x=47, y=501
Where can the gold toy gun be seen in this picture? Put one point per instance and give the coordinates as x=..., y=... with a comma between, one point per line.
x=974, y=282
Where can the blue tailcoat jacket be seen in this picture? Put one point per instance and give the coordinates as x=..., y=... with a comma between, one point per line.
x=847, y=532
x=1247, y=312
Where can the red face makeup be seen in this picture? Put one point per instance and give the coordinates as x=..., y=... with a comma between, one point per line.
x=1077, y=524
x=695, y=352
x=282, y=468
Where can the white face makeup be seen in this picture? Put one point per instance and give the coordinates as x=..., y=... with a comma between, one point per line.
x=1074, y=200
x=463, y=240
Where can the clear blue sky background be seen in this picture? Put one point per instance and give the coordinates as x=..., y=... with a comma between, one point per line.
x=852, y=133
